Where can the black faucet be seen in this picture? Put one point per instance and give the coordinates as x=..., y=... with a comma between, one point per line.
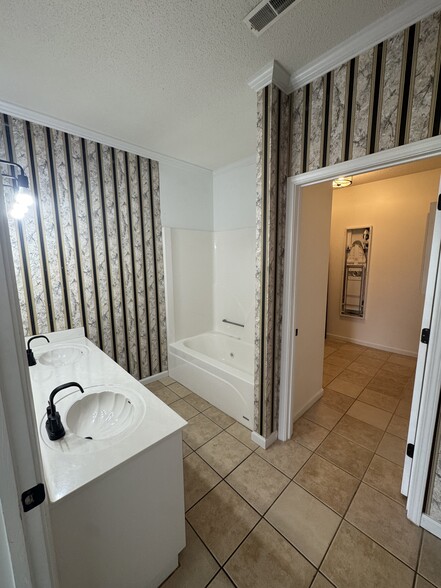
x=54, y=426
x=30, y=353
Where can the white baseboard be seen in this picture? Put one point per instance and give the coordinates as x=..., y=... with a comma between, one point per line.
x=308, y=405
x=264, y=442
x=154, y=378
x=431, y=525
x=372, y=346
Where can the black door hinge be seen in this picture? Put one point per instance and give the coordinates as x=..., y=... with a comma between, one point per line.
x=425, y=336
x=297, y=332
x=33, y=497
x=439, y=202
x=410, y=449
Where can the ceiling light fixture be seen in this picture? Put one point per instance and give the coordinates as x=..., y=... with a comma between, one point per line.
x=342, y=182
x=20, y=183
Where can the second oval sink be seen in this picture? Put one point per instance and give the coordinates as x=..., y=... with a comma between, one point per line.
x=100, y=415
x=63, y=355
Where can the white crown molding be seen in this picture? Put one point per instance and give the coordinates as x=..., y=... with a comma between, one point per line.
x=380, y=30
x=60, y=125
x=397, y=155
x=246, y=162
x=272, y=73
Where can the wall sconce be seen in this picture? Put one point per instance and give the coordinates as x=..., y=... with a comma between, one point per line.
x=20, y=183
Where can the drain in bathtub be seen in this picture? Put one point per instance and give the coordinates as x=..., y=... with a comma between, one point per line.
x=89, y=438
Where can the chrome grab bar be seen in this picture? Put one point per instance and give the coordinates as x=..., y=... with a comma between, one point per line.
x=232, y=323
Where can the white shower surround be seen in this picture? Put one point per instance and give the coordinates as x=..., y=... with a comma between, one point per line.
x=219, y=368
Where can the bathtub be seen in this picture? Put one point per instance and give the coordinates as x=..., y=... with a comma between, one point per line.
x=219, y=368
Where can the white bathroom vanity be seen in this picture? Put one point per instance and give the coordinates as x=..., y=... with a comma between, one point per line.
x=115, y=480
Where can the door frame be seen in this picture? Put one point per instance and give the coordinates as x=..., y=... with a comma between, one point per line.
x=27, y=536
x=389, y=158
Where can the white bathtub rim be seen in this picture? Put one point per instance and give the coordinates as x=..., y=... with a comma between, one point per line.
x=183, y=351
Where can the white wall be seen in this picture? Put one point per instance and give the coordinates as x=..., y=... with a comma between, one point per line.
x=234, y=196
x=234, y=221
x=186, y=196
x=397, y=209
x=234, y=279
x=210, y=247
x=187, y=217
x=192, y=292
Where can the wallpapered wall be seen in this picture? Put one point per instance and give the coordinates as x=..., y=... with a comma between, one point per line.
x=386, y=97
x=89, y=253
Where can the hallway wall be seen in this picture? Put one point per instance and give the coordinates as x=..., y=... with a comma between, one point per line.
x=397, y=209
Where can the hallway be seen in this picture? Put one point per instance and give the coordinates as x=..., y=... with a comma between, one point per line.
x=321, y=510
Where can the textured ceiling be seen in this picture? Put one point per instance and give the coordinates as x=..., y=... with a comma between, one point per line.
x=167, y=75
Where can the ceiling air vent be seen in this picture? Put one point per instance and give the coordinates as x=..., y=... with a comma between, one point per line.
x=265, y=14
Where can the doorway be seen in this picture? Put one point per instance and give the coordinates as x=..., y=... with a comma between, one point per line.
x=298, y=187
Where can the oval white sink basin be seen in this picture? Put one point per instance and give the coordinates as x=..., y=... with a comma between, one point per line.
x=100, y=415
x=63, y=355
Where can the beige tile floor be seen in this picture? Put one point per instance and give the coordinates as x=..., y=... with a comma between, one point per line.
x=323, y=509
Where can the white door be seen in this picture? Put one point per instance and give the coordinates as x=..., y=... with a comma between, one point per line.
x=25, y=542
x=311, y=278
x=426, y=387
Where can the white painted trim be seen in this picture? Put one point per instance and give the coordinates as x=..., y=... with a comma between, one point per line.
x=428, y=406
x=169, y=287
x=90, y=134
x=153, y=378
x=388, y=158
x=431, y=525
x=378, y=31
x=264, y=442
x=308, y=405
x=288, y=327
x=371, y=346
x=19, y=432
x=246, y=162
x=271, y=73
x=398, y=155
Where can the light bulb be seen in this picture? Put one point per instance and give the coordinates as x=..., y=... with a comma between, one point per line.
x=24, y=197
x=18, y=211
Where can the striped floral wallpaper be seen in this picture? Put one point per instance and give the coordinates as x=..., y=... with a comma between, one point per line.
x=89, y=253
x=386, y=97
x=272, y=171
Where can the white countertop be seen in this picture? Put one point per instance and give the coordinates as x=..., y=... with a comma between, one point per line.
x=66, y=469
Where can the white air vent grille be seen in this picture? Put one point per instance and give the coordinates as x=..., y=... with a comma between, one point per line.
x=266, y=13
x=262, y=18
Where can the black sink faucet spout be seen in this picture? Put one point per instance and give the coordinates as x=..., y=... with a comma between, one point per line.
x=31, y=358
x=54, y=426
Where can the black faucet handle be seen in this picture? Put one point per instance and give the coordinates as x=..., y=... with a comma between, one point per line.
x=62, y=387
x=54, y=426
x=30, y=354
x=36, y=337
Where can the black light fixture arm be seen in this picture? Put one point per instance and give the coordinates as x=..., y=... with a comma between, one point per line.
x=7, y=162
x=22, y=179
